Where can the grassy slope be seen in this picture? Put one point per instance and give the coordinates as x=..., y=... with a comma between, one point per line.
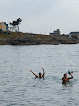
x=29, y=38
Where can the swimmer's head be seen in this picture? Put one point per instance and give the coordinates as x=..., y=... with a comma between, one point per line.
x=65, y=75
x=39, y=74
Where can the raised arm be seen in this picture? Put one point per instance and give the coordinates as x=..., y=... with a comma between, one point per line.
x=43, y=72
x=33, y=73
x=71, y=76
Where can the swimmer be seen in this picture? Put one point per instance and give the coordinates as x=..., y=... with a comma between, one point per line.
x=65, y=79
x=40, y=75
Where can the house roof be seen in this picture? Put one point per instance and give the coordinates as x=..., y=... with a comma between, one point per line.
x=74, y=32
x=2, y=22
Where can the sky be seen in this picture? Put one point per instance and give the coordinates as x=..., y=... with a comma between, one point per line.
x=42, y=16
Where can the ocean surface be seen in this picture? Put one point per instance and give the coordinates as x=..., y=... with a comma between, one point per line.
x=18, y=86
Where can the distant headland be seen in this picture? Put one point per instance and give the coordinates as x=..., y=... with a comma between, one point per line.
x=9, y=37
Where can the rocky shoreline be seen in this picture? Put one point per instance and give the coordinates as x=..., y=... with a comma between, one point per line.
x=13, y=38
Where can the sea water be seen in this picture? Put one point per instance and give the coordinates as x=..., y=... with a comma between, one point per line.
x=18, y=86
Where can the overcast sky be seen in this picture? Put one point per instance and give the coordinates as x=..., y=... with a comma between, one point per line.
x=42, y=16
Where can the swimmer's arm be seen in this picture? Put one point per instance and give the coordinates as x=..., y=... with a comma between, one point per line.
x=43, y=72
x=71, y=76
x=34, y=73
x=62, y=78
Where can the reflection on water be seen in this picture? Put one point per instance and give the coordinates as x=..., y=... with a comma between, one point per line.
x=18, y=87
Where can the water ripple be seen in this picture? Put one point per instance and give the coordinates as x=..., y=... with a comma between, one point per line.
x=18, y=87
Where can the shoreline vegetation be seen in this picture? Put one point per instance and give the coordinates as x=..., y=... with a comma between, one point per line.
x=20, y=38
